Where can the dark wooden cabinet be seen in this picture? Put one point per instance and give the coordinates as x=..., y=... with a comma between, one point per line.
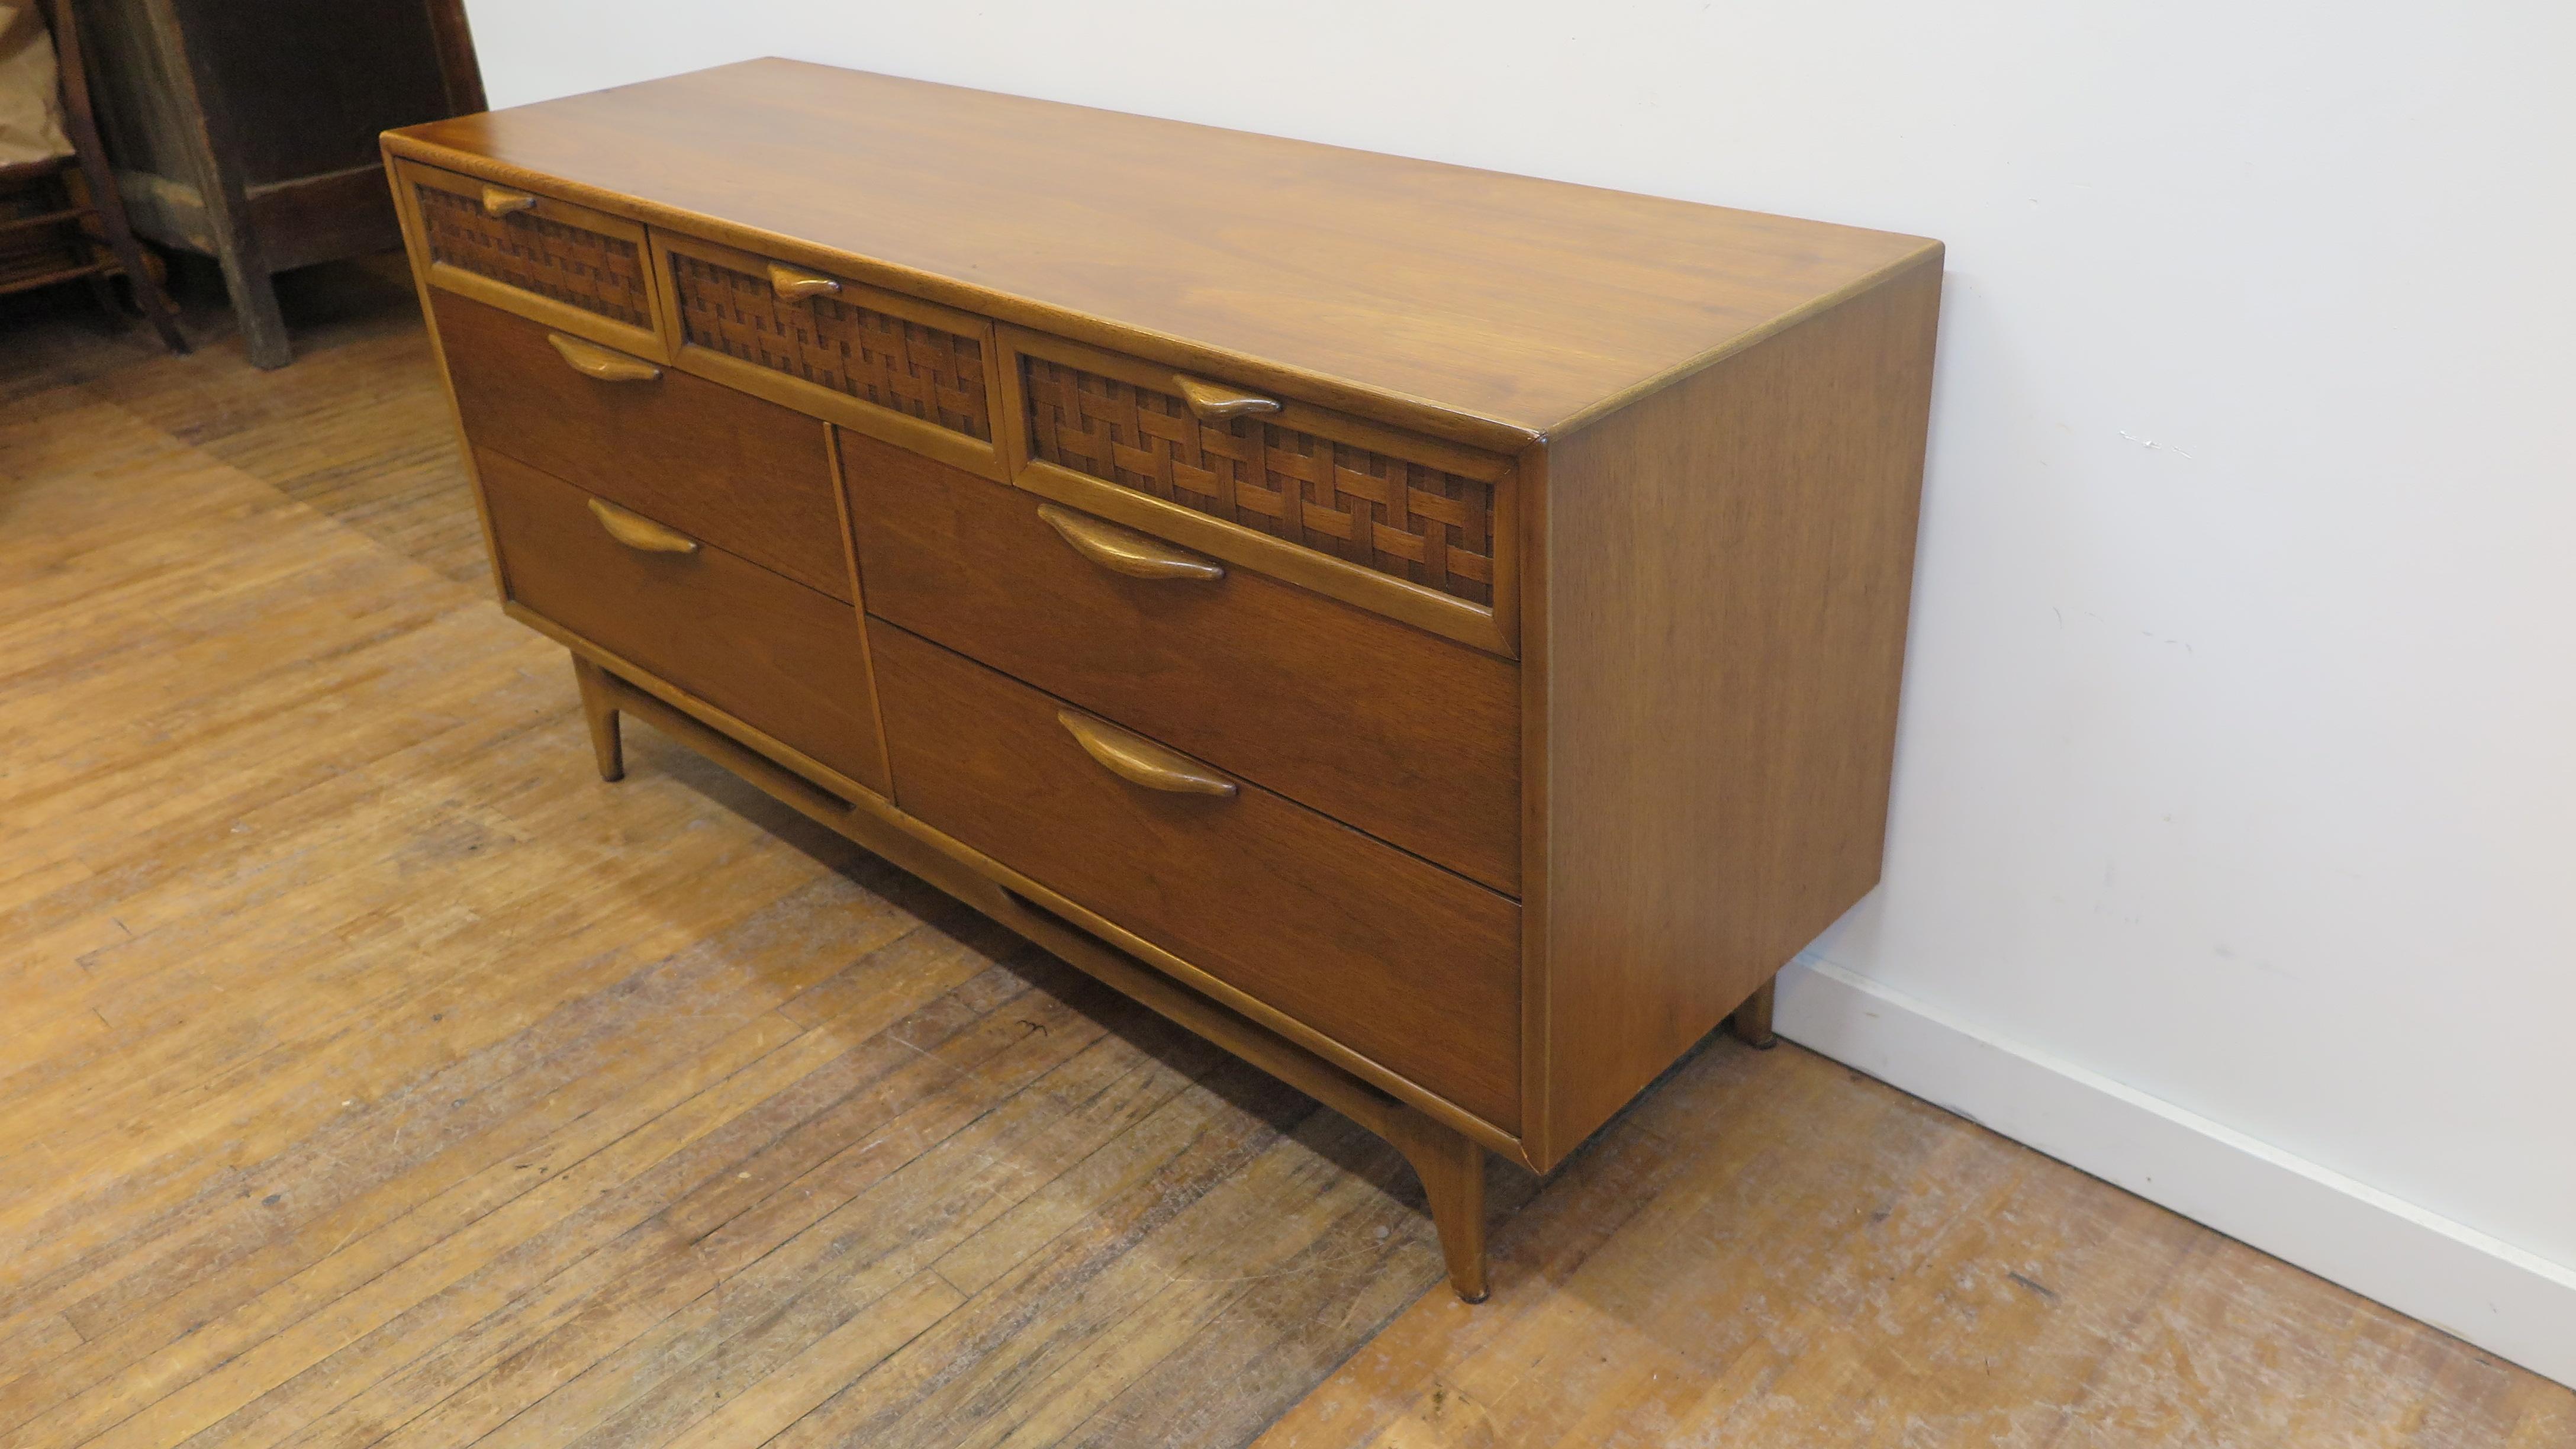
x=1434, y=633
x=247, y=132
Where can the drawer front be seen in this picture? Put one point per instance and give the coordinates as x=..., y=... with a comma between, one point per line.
x=777, y=655
x=890, y=366
x=748, y=476
x=1412, y=967
x=1410, y=526
x=580, y=270
x=1409, y=737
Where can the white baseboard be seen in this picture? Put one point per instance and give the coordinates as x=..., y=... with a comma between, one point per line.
x=2491, y=1293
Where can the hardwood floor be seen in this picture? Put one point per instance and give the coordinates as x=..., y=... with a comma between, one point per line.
x=1770, y=1249
x=371, y=1074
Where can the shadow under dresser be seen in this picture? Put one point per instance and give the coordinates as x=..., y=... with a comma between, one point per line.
x=1434, y=633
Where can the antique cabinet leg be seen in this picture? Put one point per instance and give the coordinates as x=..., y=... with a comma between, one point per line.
x=1752, y=1020
x=595, y=707
x=1452, y=1169
x=254, y=294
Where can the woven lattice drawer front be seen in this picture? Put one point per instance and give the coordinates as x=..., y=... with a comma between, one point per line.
x=1382, y=511
x=556, y=260
x=914, y=369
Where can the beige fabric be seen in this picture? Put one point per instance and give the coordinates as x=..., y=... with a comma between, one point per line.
x=31, y=117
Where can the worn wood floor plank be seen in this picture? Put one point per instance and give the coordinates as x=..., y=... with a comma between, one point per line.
x=582, y=1063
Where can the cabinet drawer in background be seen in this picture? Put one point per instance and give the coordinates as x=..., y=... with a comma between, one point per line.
x=889, y=366
x=773, y=653
x=748, y=476
x=1410, y=966
x=1412, y=738
x=1410, y=526
x=579, y=270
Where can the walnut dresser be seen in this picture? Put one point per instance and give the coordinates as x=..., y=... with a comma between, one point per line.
x=1435, y=633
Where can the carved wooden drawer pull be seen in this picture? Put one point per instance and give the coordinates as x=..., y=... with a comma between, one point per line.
x=1124, y=550
x=500, y=201
x=1219, y=404
x=638, y=532
x=1140, y=761
x=796, y=286
x=592, y=360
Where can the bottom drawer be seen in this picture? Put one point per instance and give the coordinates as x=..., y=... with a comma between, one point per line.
x=1411, y=966
x=773, y=653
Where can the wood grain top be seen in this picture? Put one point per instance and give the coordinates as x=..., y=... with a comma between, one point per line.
x=1499, y=299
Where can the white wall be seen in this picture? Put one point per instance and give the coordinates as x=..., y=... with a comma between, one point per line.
x=2236, y=762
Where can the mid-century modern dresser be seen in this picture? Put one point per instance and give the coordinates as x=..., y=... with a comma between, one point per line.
x=1435, y=633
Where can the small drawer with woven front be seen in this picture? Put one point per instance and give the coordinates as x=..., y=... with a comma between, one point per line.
x=1408, y=525
x=890, y=366
x=575, y=269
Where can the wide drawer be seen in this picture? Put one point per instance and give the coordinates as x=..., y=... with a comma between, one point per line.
x=748, y=476
x=1412, y=738
x=1402, y=962
x=776, y=655
x=573, y=268
x=1413, y=527
x=891, y=366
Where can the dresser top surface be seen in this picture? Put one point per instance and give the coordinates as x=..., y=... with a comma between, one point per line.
x=1518, y=301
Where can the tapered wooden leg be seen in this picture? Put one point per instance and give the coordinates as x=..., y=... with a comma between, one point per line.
x=1752, y=1020
x=595, y=707
x=1452, y=1168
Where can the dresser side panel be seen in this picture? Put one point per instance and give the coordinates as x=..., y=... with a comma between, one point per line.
x=1729, y=563
x=416, y=255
